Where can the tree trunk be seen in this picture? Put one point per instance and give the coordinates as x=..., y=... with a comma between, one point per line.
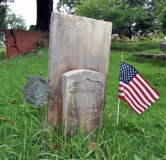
x=130, y=32
x=44, y=9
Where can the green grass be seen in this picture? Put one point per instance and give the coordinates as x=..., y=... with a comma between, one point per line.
x=139, y=47
x=134, y=138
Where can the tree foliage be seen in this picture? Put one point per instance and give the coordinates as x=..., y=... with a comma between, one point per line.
x=163, y=20
x=5, y=1
x=67, y=6
x=3, y=14
x=125, y=18
x=14, y=21
x=8, y=19
x=129, y=17
x=160, y=15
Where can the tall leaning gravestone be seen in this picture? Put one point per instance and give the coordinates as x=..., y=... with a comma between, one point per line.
x=82, y=46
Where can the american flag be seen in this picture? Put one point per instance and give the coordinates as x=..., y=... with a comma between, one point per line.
x=135, y=90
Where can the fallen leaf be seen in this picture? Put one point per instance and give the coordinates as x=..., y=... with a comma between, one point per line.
x=13, y=101
x=92, y=146
x=56, y=145
x=110, y=115
x=3, y=119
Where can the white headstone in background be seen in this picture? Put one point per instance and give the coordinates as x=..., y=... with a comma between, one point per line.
x=83, y=100
x=114, y=36
x=75, y=43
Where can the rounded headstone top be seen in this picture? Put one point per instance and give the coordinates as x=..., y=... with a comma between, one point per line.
x=80, y=75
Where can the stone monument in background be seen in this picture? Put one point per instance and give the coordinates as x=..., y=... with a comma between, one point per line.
x=76, y=43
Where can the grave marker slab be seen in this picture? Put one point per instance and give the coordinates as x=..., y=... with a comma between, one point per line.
x=83, y=100
x=75, y=43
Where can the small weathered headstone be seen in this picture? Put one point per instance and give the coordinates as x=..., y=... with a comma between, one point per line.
x=163, y=46
x=75, y=43
x=114, y=36
x=83, y=100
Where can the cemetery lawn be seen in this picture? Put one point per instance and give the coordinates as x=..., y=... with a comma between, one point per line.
x=134, y=138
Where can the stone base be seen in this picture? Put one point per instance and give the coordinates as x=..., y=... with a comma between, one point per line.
x=146, y=55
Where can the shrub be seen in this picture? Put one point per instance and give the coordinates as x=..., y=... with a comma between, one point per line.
x=2, y=54
x=41, y=43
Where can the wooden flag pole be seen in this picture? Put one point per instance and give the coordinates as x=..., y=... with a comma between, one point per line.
x=119, y=100
x=122, y=57
x=118, y=110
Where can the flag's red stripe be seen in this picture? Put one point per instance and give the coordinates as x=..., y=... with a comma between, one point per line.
x=133, y=104
x=142, y=92
x=146, y=88
x=121, y=91
x=157, y=94
x=138, y=94
x=136, y=101
x=130, y=106
x=129, y=96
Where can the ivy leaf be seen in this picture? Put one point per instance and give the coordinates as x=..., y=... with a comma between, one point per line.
x=136, y=157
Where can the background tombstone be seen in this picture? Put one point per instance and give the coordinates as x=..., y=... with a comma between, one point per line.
x=75, y=43
x=83, y=100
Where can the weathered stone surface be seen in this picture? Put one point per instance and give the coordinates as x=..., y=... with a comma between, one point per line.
x=163, y=46
x=75, y=43
x=83, y=99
